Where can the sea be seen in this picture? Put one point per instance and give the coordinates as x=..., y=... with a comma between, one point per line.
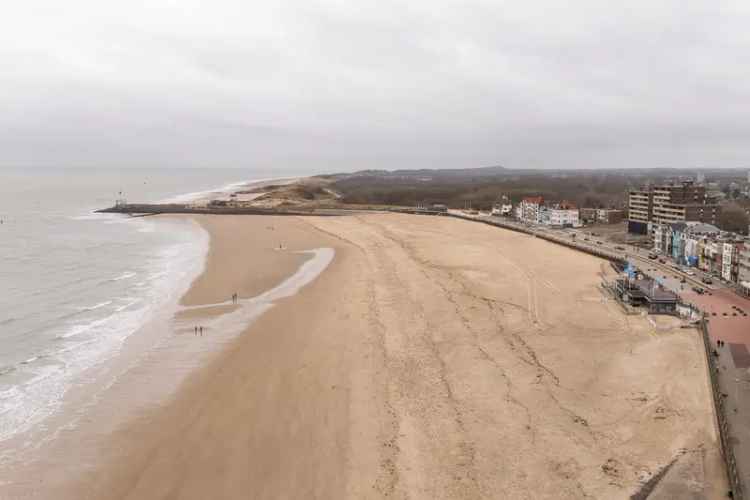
x=74, y=284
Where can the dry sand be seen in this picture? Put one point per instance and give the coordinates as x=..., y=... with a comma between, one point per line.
x=434, y=358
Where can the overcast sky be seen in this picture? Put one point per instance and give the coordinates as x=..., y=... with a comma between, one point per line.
x=345, y=85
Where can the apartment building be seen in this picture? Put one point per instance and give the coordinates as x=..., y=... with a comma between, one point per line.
x=682, y=202
x=587, y=215
x=639, y=210
x=530, y=209
x=609, y=216
x=743, y=268
x=562, y=215
x=743, y=261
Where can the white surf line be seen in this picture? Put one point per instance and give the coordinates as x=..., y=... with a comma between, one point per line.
x=305, y=274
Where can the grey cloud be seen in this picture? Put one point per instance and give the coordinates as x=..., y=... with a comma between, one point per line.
x=346, y=85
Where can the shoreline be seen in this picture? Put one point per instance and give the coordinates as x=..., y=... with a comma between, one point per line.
x=422, y=363
x=155, y=357
x=99, y=358
x=139, y=306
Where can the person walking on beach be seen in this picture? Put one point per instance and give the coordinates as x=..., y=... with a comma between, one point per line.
x=201, y=330
x=196, y=331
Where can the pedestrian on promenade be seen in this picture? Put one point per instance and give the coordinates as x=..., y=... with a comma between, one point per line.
x=196, y=331
x=201, y=330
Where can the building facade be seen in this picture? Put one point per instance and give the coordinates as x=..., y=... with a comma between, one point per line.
x=530, y=209
x=639, y=210
x=563, y=215
x=684, y=241
x=609, y=216
x=682, y=202
x=587, y=215
x=743, y=269
x=743, y=263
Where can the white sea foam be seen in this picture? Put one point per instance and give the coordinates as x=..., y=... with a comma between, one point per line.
x=124, y=276
x=101, y=217
x=197, y=195
x=95, y=306
x=227, y=188
x=48, y=375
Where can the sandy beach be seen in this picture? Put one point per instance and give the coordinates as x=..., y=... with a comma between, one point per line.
x=433, y=358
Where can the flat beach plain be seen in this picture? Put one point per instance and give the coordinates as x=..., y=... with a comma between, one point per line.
x=433, y=358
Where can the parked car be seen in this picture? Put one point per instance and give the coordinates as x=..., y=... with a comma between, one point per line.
x=690, y=272
x=652, y=256
x=618, y=247
x=662, y=261
x=707, y=280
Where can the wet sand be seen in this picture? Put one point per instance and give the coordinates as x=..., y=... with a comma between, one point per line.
x=433, y=358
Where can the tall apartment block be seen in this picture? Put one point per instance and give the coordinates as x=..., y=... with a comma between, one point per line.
x=682, y=202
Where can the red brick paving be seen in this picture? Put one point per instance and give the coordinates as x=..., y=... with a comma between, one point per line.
x=729, y=328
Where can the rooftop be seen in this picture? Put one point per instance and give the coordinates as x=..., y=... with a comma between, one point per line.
x=534, y=199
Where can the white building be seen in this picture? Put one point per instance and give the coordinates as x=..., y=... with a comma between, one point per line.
x=502, y=209
x=726, y=261
x=530, y=209
x=659, y=234
x=563, y=217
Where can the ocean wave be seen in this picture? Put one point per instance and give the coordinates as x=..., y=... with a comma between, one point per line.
x=89, y=216
x=156, y=276
x=95, y=306
x=227, y=188
x=76, y=330
x=99, y=217
x=10, y=392
x=130, y=302
x=102, y=326
x=5, y=370
x=124, y=276
x=7, y=321
x=196, y=195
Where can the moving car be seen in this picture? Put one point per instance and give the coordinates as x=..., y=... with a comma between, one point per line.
x=707, y=280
